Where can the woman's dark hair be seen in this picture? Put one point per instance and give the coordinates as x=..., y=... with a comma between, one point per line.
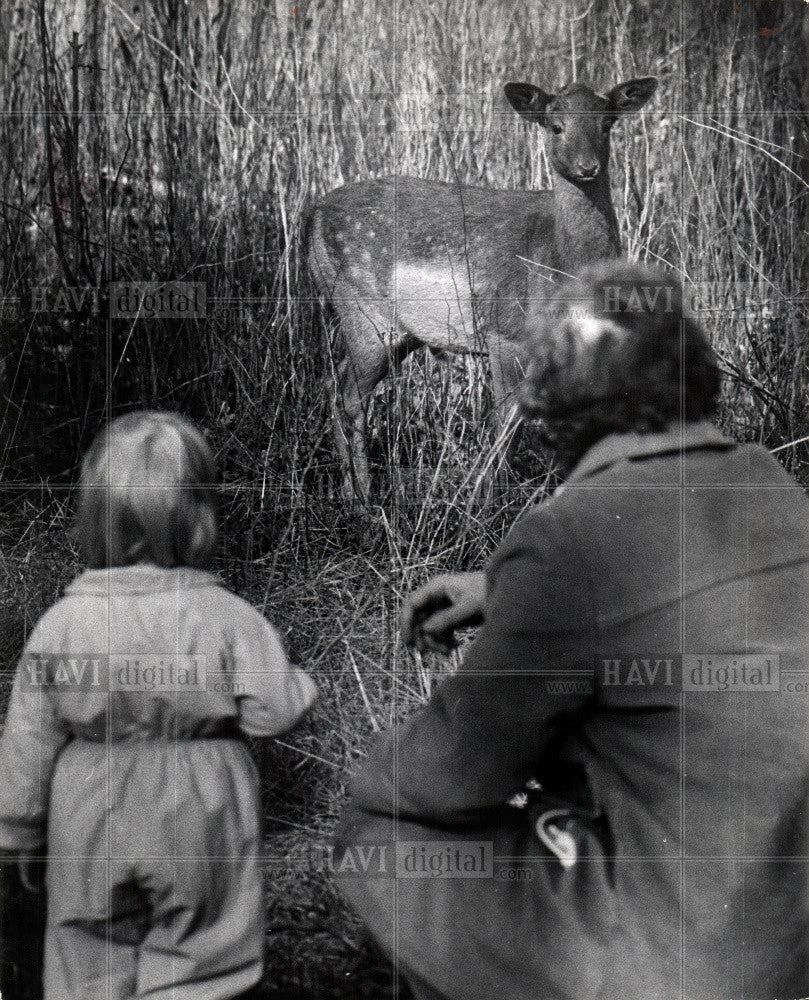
x=612, y=352
x=147, y=493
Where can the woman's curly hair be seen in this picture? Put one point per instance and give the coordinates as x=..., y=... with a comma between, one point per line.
x=611, y=352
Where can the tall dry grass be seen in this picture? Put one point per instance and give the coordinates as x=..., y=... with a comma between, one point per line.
x=194, y=136
x=185, y=141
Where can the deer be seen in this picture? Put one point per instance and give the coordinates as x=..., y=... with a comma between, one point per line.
x=406, y=262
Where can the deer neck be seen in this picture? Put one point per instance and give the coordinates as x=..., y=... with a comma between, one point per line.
x=585, y=227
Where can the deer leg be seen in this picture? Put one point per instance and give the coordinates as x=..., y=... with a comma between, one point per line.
x=358, y=374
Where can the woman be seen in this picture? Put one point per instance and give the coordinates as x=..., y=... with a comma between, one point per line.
x=631, y=679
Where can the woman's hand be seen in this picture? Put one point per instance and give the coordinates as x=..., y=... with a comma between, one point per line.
x=431, y=614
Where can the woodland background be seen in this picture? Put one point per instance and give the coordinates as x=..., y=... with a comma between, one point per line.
x=158, y=140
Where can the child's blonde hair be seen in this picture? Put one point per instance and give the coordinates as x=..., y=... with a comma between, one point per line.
x=148, y=494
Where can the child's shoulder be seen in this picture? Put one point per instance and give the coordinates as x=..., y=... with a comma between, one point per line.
x=243, y=626
x=61, y=609
x=238, y=611
x=49, y=630
x=220, y=592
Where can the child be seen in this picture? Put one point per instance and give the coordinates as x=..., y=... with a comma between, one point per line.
x=122, y=736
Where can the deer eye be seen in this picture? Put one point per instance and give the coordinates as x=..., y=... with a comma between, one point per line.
x=556, y=128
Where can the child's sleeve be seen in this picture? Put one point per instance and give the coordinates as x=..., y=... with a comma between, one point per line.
x=32, y=739
x=271, y=693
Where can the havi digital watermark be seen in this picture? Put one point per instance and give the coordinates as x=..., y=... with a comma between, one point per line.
x=703, y=672
x=121, y=672
x=408, y=859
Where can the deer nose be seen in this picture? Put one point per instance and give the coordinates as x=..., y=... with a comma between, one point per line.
x=588, y=170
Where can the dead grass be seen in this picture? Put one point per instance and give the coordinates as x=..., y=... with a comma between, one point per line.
x=188, y=148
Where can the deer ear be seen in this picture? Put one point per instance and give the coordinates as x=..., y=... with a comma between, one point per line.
x=632, y=95
x=528, y=101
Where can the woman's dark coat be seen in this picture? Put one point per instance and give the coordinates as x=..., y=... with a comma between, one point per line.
x=690, y=805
